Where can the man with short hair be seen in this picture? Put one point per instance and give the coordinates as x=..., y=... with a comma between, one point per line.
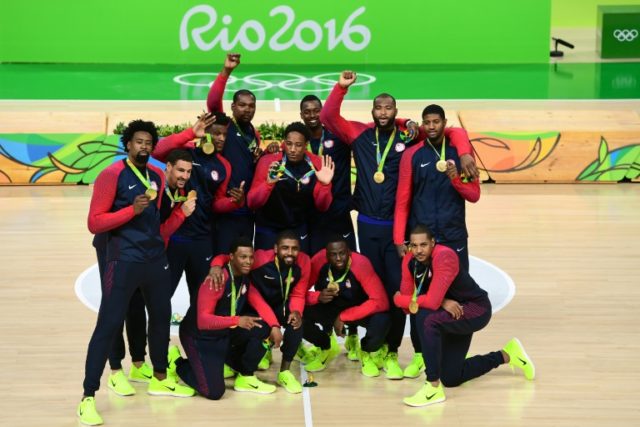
x=337, y=219
x=125, y=204
x=216, y=331
x=346, y=290
x=242, y=150
x=288, y=186
x=189, y=249
x=447, y=306
x=281, y=275
x=431, y=191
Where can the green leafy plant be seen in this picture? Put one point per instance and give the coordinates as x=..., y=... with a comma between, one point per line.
x=163, y=130
x=271, y=131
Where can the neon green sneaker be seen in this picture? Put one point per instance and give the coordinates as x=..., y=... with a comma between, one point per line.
x=287, y=380
x=119, y=384
x=392, y=367
x=142, y=374
x=427, y=395
x=228, y=372
x=379, y=355
x=352, y=345
x=415, y=367
x=369, y=367
x=334, y=350
x=253, y=385
x=265, y=362
x=88, y=413
x=169, y=387
x=319, y=363
x=310, y=353
x=172, y=355
x=519, y=358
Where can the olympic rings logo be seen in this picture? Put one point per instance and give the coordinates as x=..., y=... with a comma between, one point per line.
x=625, y=35
x=266, y=81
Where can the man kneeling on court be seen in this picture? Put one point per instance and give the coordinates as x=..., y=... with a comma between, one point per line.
x=347, y=290
x=449, y=307
x=213, y=334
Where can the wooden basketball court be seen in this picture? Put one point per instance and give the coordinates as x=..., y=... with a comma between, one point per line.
x=571, y=250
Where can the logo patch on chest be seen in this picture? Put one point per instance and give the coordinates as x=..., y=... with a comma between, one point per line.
x=328, y=143
x=305, y=180
x=215, y=175
x=400, y=147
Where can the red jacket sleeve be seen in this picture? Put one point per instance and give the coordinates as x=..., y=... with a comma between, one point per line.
x=372, y=286
x=322, y=196
x=207, y=300
x=214, y=98
x=260, y=189
x=100, y=218
x=317, y=262
x=403, y=299
x=404, y=195
x=445, y=267
x=171, y=224
x=221, y=202
x=330, y=116
x=264, y=311
x=220, y=260
x=470, y=191
x=299, y=291
x=178, y=140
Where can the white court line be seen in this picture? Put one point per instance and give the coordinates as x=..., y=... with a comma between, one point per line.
x=306, y=399
x=276, y=104
x=78, y=289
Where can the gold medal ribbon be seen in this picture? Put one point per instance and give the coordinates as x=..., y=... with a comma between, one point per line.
x=234, y=298
x=252, y=143
x=381, y=159
x=145, y=182
x=320, y=147
x=341, y=278
x=417, y=289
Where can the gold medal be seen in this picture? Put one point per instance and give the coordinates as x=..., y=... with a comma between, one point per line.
x=378, y=177
x=192, y=195
x=151, y=193
x=441, y=165
x=333, y=286
x=413, y=307
x=208, y=148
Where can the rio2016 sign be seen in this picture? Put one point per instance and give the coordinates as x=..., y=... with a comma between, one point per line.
x=307, y=36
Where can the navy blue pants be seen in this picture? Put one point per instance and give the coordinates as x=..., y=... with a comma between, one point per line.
x=291, y=338
x=135, y=319
x=462, y=250
x=228, y=228
x=445, y=343
x=120, y=281
x=376, y=243
x=191, y=256
x=377, y=326
x=266, y=237
x=204, y=369
x=320, y=231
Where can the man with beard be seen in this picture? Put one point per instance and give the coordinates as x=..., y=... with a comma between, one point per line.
x=189, y=248
x=287, y=187
x=337, y=219
x=377, y=152
x=215, y=331
x=447, y=306
x=242, y=149
x=126, y=206
x=281, y=275
x=346, y=290
x=431, y=190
